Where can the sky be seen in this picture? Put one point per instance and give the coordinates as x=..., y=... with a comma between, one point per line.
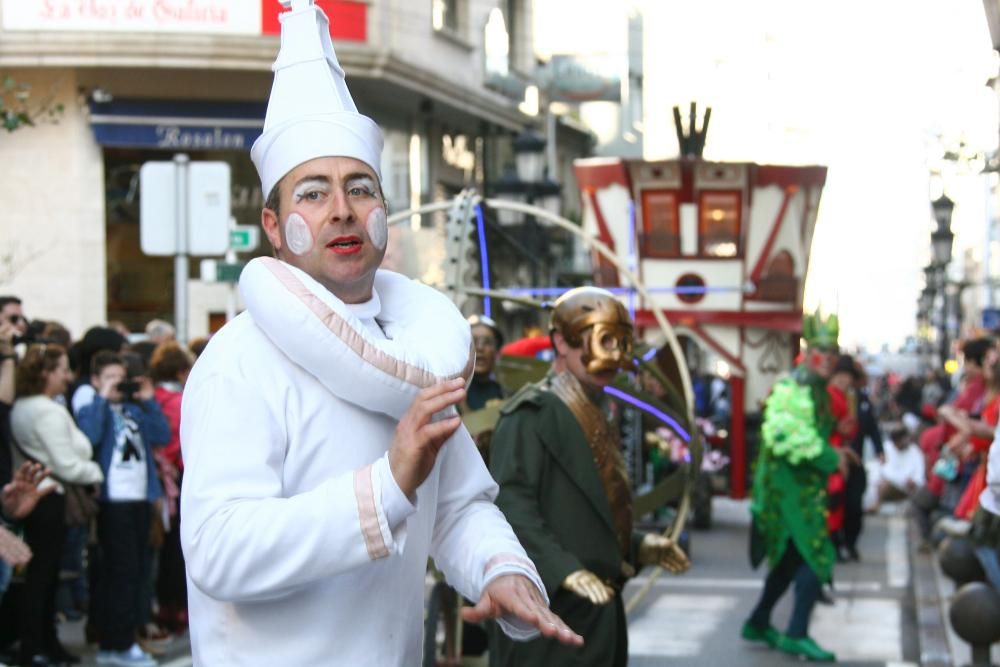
x=872, y=90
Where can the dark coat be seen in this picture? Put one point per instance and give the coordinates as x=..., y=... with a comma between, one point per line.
x=551, y=493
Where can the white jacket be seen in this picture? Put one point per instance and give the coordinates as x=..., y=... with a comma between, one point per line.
x=300, y=548
x=45, y=431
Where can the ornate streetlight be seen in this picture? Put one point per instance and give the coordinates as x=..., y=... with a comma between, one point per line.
x=942, y=239
x=529, y=184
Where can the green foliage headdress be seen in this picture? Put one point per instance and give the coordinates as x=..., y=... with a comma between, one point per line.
x=819, y=331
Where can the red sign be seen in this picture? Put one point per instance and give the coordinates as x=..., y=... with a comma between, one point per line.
x=348, y=20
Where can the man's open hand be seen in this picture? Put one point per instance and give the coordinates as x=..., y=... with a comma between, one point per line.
x=20, y=496
x=418, y=439
x=515, y=595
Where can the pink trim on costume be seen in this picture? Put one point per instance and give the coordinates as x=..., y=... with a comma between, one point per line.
x=368, y=514
x=508, y=559
x=354, y=340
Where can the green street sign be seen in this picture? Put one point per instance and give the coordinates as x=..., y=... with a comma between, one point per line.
x=228, y=273
x=244, y=238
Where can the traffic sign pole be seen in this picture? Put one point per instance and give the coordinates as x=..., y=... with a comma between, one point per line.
x=181, y=257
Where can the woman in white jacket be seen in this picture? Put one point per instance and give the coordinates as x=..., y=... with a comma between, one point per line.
x=45, y=432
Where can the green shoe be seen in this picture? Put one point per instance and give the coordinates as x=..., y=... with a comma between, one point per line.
x=768, y=635
x=806, y=647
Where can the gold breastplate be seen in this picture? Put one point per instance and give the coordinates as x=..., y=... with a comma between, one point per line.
x=605, y=447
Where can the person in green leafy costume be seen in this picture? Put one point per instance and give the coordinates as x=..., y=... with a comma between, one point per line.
x=789, y=494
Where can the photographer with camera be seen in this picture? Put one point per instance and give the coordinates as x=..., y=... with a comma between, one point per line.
x=124, y=423
x=44, y=433
x=11, y=313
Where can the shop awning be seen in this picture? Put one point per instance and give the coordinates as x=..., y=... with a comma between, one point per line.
x=173, y=125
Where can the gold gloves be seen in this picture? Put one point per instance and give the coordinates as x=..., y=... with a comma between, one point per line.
x=587, y=584
x=660, y=550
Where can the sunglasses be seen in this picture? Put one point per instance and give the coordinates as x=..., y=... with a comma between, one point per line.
x=14, y=319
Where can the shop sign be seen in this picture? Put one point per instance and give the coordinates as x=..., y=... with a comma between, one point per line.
x=587, y=78
x=213, y=16
x=233, y=17
x=176, y=137
x=991, y=319
x=455, y=152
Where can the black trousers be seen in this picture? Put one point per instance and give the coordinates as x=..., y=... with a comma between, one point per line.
x=854, y=511
x=123, y=532
x=44, y=531
x=171, y=583
x=790, y=568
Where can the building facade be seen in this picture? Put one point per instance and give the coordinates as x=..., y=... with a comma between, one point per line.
x=143, y=80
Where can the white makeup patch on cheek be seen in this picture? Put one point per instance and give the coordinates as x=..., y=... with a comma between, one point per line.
x=297, y=234
x=378, y=228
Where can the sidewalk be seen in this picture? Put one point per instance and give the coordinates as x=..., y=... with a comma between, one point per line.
x=939, y=645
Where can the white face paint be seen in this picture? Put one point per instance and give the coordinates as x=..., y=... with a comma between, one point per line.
x=297, y=234
x=378, y=229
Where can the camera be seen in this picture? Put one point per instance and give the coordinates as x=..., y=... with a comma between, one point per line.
x=128, y=388
x=30, y=338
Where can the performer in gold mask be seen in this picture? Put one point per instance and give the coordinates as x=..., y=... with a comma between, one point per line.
x=563, y=486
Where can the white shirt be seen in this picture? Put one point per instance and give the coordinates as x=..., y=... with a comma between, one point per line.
x=127, y=475
x=902, y=466
x=990, y=497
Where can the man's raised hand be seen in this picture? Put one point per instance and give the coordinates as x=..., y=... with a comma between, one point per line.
x=19, y=497
x=515, y=595
x=418, y=439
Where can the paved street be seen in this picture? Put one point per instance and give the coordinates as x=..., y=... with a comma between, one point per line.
x=694, y=620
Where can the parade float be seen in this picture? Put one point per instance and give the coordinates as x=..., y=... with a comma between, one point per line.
x=723, y=250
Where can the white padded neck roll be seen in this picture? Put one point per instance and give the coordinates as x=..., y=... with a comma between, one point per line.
x=428, y=340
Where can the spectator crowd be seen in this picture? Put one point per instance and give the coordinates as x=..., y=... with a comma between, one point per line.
x=90, y=471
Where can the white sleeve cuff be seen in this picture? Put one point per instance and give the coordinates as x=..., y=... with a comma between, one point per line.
x=395, y=504
x=505, y=564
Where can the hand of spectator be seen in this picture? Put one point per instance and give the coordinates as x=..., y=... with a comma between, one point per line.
x=147, y=390
x=108, y=387
x=20, y=496
x=847, y=426
x=956, y=441
x=418, y=439
x=515, y=595
x=7, y=332
x=850, y=456
x=13, y=550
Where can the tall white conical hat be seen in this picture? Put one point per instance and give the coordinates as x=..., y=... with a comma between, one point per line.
x=310, y=113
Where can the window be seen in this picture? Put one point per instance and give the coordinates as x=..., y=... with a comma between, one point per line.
x=719, y=224
x=779, y=282
x=444, y=15
x=660, y=236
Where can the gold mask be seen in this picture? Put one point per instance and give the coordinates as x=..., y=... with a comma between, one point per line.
x=594, y=319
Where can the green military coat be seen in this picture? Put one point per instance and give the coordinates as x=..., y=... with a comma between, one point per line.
x=551, y=493
x=796, y=459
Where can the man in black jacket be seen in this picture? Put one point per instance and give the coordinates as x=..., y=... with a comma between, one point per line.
x=857, y=479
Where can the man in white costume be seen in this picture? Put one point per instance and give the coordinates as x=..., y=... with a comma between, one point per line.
x=324, y=461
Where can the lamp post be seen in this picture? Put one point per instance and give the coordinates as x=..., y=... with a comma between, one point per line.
x=942, y=239
x=527, y=183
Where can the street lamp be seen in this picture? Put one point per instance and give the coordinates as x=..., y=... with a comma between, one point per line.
x=528, y=183
x=926, y=300
x=942, y=237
